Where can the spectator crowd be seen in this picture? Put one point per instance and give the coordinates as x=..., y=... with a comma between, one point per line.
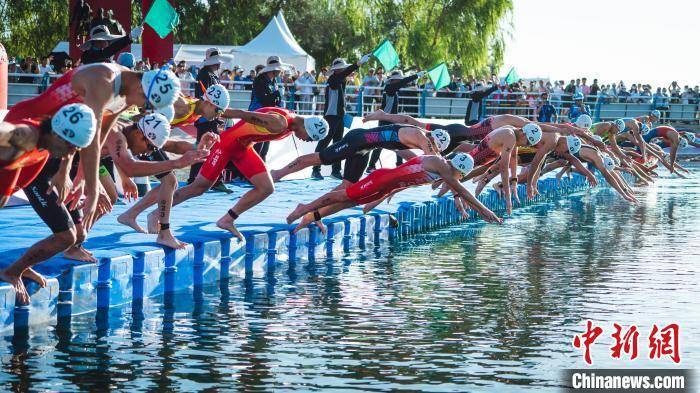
x=303, y=90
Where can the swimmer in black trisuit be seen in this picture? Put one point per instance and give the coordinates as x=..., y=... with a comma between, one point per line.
x=357, y=144
x=71, y=128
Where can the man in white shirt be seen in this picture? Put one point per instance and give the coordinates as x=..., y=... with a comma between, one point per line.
x=45, y=67
x=306, y=92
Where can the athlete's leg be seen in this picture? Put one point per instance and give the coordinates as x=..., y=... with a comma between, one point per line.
x=335, y=134
x=296, y=165
x=310, y=217
x=263, y=187
x=380, y=115
x=325, y=200
x=159, y=219
x=128, y=218
x=58, y=219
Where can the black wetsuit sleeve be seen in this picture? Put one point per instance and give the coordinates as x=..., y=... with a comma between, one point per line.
x=335, y=80
x=96, y=55
x=393, y=88
x=480, y=94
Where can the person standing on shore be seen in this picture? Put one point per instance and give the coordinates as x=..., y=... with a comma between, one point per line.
x=335, y=108
x=266, y=94
x=390, y=104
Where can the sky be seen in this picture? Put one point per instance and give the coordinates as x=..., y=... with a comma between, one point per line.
x=644, y=41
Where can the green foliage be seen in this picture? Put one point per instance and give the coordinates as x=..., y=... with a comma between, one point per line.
x=32, y=27
x=466, y=34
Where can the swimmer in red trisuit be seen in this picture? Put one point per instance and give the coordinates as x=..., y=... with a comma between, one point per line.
x=384, y=182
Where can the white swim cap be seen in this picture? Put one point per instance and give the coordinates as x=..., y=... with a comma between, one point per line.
x=620, y=124
x=645, y=129
x=584, y=121
x=161, y=87
x=608, y=162
x=76, y=124
x=463, y=162
x=573, y=143
x=156, y=128
x=167, y=111
x=441, y=139
x=578, y=96
x=656, y=113
x=316, y=127
x=218, y=95
x=533, y=133
x=682, y=143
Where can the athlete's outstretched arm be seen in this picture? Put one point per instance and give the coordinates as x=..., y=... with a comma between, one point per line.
x=131, y=167
x=581, y=169
x=534, y=169
x=271, y=121
x=98, y=92
x=458, y=189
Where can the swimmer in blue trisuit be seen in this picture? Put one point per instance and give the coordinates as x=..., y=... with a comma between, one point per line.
x=357, y=145
x=460, y=133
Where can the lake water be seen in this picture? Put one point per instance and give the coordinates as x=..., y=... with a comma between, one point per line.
x=471, y=308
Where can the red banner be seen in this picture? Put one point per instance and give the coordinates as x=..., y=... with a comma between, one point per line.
x=155, y=49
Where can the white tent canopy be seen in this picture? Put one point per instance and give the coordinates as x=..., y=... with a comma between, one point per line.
x=192, y=54
x=275, y=39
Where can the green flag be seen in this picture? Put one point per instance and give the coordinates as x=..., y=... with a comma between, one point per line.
x=162, y=17
x=386, y=54
x=440, y=76
x=512, y=76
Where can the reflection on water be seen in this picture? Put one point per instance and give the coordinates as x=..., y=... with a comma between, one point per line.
x=478, y=307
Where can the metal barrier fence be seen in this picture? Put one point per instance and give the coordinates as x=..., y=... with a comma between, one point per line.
x=309, y=99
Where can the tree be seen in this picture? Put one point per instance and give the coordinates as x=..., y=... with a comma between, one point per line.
x=33, y=27
x=467, y=34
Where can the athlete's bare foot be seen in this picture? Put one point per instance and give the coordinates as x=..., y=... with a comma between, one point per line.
x=166, y=238
x=499, y=189
x=78, y=253
x=31, y=274
x=226, y=223
x=296, y=214
x=153, y=226
x=514, y=192
x=308, y=219
x=85, y=250
x=20, y=291
x=373, y=116
x=130, y=221
x=275, y=177
x=479, y=187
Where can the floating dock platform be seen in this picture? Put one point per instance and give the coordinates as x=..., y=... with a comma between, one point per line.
x=133, y=268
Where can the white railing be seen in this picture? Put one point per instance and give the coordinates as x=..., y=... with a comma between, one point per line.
x=413, y=101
